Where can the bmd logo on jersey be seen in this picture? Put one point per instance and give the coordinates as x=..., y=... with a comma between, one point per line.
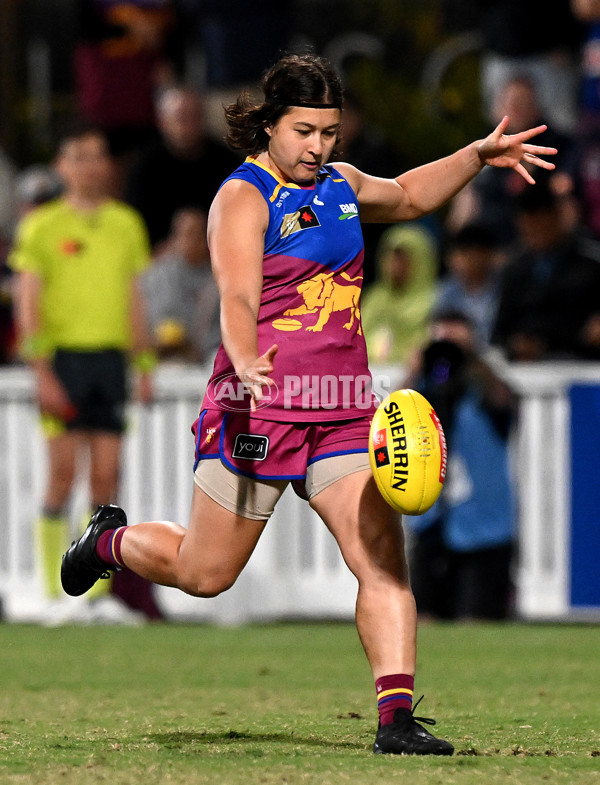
x=348, y=211
x=250, y=446
x=304, y=218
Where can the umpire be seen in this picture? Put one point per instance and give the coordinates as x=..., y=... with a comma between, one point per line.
x=79, y=314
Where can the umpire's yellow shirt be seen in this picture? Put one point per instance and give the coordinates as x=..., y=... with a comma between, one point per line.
x=87, y=262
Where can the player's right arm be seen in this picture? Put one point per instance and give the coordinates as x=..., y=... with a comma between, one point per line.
x=237, y=225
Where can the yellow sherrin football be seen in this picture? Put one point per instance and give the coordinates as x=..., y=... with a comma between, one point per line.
x=407, y=448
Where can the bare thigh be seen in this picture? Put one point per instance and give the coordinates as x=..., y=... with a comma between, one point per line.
x=215, y=547
x=369, y=533
x=203, y=559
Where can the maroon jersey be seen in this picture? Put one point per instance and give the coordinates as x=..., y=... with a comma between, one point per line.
x=310, y=304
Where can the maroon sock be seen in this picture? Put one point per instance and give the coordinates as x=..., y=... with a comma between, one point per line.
x=108, y=547
x=394, y=692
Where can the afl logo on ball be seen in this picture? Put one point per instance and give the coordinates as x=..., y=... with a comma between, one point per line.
x=382, y=456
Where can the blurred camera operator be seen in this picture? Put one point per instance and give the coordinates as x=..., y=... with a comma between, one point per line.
x=462, y=548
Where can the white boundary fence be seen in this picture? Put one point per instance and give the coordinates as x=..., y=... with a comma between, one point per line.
x=543, y=476
x=296, y=570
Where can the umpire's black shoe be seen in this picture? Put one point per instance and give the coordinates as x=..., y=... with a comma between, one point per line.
x=404, y=736
x=81, y=568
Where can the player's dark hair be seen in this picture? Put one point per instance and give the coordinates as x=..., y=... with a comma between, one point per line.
x=295, y=80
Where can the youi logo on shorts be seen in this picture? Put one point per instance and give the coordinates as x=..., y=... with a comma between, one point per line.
x=250, y=446
x=229, y=392
x=348, y=211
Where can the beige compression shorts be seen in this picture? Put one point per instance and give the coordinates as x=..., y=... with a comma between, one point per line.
x=256, y=499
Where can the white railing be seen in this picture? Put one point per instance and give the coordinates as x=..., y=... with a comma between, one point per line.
x=542, y=471
x=296, y=569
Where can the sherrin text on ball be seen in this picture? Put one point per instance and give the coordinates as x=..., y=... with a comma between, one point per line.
x=407, y=449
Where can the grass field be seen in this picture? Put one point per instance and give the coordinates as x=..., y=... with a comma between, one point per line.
x=291, y=703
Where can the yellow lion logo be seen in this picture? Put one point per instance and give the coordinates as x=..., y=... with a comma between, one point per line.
x=323, y=295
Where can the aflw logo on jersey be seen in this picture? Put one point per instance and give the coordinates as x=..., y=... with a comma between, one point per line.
x=304, y=218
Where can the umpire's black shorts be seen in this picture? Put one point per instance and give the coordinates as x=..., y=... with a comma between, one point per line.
x=96, y=383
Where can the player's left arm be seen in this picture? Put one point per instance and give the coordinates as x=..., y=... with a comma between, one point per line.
x=426, y=188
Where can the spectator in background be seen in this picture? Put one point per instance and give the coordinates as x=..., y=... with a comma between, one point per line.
x=588, y=106
x=396, y=309
x=7, y=327
x=34, y=186
x=549, y=304
x=79, y=312
x=472, y=284
x=536, y=40
x=582, y=182
x=364, y=146
x=31, y=187
x=235, y=42
x=126, y=51
x=183, y=169
x=181, y=294
x=7, y=337
x=8, y=173
x=490, y=196
x=462, y=547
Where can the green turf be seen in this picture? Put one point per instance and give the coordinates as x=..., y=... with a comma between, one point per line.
x=291, y=704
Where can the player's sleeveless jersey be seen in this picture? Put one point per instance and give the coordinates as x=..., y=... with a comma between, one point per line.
x=310, y=304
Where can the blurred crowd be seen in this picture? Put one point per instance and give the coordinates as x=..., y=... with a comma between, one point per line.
x=506, y=265
x=520, y=262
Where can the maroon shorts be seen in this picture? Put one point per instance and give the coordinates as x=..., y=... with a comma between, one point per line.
x=266, y=450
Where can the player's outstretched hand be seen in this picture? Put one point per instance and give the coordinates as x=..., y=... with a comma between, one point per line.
x=512, y=150
x=256, y=375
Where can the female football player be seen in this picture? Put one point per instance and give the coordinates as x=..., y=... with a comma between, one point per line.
x=286, y=248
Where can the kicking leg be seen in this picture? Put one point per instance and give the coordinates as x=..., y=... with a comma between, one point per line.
x=204, y=559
